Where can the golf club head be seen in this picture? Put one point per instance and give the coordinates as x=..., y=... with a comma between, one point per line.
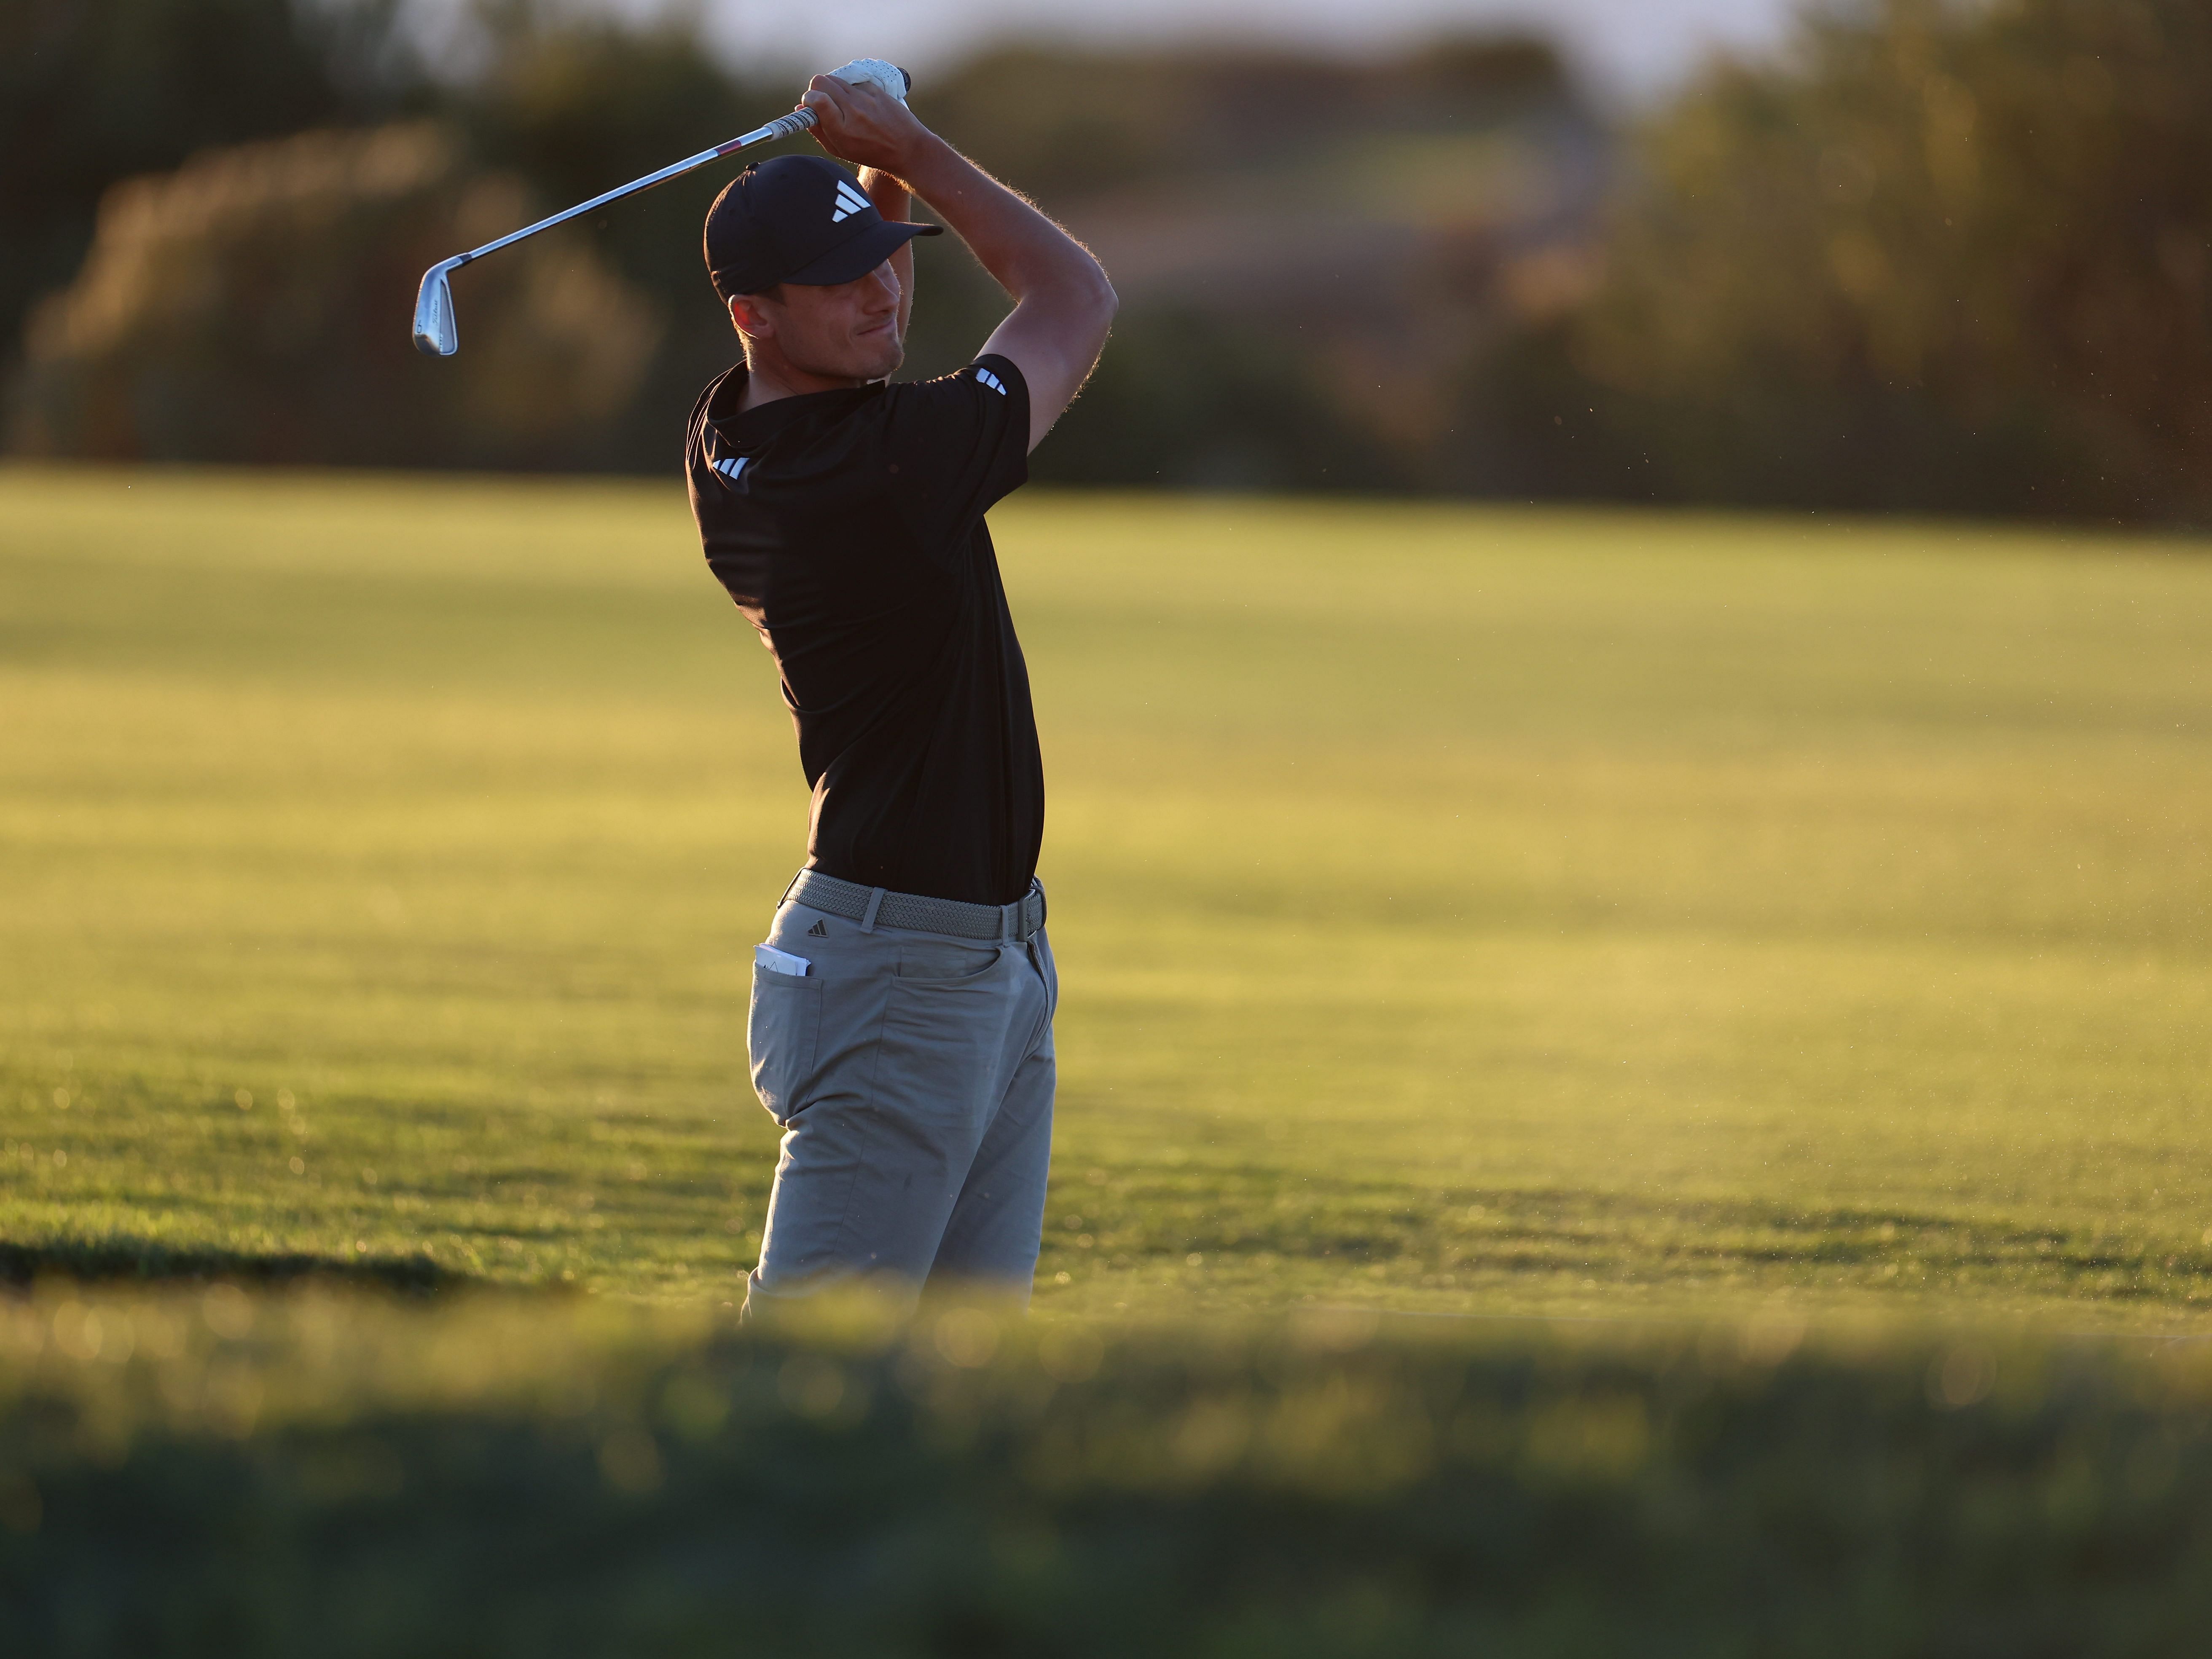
x=436, y=333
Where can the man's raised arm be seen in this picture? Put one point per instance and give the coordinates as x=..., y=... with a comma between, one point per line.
x=1063, y=304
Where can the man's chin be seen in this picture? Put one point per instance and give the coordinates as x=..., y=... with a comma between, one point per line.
x=866, y=360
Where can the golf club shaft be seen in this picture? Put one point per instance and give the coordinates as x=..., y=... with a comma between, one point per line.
x=435, y=333
x=782, y=127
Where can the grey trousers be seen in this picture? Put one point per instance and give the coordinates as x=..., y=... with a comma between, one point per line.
x=912, y=1075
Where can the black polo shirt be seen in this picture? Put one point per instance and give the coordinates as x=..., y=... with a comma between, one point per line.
x=849, y=527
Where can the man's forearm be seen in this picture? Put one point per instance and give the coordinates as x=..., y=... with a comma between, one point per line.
x=887, y=192
x=1025, y=253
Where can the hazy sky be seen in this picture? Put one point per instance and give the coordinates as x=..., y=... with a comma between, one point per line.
x=1625, y=46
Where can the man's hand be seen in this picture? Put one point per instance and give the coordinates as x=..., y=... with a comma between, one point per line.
x=862, y=124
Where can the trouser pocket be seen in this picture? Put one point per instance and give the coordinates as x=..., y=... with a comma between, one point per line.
x=943, y=1051
x=783, y=1036
x=1047, y=971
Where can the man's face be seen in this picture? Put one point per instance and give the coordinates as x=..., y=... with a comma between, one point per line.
x=849, y=330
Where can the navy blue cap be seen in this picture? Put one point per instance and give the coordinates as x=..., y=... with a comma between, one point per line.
x=798, y=219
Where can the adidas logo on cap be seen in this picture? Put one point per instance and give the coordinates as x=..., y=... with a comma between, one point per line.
x=798, y=219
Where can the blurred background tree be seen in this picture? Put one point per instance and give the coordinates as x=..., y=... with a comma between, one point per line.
x=238, y=308
x=93, y=92
x=1950, y=255
x=1304, y=247
x=1946, y=254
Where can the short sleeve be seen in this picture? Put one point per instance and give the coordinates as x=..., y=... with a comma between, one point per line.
x=954, y=447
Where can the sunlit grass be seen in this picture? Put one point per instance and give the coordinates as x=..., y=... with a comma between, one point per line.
x=1459, y=909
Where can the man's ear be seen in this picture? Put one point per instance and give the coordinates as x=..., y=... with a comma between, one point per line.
x=750, y=317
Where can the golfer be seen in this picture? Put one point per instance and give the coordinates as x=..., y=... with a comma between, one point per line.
x=900, y=1022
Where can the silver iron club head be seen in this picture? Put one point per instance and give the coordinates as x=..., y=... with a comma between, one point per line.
x=436, y=332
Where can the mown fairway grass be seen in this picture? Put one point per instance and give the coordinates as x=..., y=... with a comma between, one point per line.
x=1459, y=910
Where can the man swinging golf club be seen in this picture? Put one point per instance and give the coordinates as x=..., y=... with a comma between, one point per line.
x=901, y=1024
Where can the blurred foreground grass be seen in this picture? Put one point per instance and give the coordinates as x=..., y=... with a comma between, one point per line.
x=221, y=1474
x=1458, y=910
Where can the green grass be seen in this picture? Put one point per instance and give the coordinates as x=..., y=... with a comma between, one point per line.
x=1459, y=910
x=222, y=1475
x=1787, y=941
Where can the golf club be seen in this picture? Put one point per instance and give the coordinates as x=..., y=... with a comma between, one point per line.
x=436, y=332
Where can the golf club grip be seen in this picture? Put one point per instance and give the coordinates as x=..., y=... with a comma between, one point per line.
x=803, y=119
x=784, y=126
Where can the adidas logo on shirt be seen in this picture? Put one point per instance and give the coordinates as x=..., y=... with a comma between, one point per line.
x=849, y=202
x=991, y=381
x=731, y=468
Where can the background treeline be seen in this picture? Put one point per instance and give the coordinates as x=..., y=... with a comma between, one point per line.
x=1951, y=256
x=1940, y=256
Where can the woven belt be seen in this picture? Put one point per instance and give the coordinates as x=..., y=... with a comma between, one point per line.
x=877, y=906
